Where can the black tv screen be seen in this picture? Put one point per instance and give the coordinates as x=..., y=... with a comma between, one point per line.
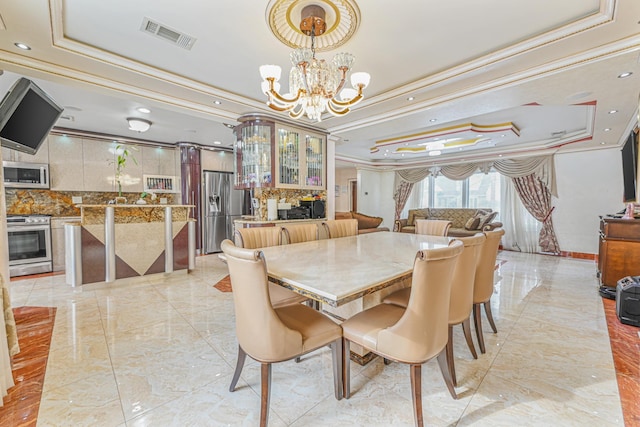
x=27, y=114
x=630, y=168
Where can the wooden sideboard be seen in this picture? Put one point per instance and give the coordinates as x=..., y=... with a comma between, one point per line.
x=619, y=250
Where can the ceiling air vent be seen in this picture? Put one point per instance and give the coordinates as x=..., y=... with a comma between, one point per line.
x=177, y=38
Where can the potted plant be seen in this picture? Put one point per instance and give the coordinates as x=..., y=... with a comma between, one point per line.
x=123, y=154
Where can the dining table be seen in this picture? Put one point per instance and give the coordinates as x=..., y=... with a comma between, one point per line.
x=348, y=274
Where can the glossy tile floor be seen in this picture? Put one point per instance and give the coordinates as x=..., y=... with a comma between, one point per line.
x=161, y=353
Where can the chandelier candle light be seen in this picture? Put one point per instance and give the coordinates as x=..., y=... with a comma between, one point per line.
x=314, y=84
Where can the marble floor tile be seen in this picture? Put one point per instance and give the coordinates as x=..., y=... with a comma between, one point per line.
x=161, y=352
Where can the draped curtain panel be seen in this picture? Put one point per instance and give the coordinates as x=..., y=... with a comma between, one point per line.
x=403, y=191
x=536, y=197
x=541, y=166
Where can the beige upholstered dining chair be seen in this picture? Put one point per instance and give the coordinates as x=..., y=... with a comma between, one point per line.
x=298, y=233
x=432, y=227
x=413, y=335
x=340, y=228
x=270, y=335
x=461, y=303
x=483, y=286
x=263, y=237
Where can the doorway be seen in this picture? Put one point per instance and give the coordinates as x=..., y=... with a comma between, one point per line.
x=353, y=195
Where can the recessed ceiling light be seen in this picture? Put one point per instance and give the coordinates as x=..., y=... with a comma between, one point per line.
x=217, y=102
x=623, y=75
x=499, y=155
x=217, y=143
x=607, y=129
x=435, y=153
x=22, y=46
x=613, y=111
x=433, y=120
x=143, y=110
x=602, y=143
x=411, y=98
x=230, y=126
x=502, y=136
x=478, y=136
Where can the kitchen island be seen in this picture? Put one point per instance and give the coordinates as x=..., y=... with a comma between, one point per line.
x=116, y=241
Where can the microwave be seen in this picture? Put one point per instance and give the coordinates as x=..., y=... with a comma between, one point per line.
x=25, y=175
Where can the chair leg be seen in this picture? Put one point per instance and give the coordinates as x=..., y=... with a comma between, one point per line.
x=450, y=361
x=416, y=393
x=442, y=362
x=386, y=361
x=337, y=355
x=477, y=322
x=487, y=310
x=466, y=328
x=265, y=385
x=346, y=366
x=242, y=356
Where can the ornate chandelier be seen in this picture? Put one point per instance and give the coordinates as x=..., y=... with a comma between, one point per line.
x=314, y=84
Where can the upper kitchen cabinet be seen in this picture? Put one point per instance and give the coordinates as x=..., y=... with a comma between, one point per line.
x=273, y=154
x=41, y=156
x=157, y=160
x=66, y=163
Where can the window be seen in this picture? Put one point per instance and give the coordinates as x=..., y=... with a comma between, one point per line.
x=448, y=193
x=478, y=191
x=484, y=191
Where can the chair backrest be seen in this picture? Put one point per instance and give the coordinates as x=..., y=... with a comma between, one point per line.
x=298, y=233
x=432, y=227
x=258, y=237
x=422, y=331
x=463, y=278
x=483, y=285
x=341, y=227
x=260, y=332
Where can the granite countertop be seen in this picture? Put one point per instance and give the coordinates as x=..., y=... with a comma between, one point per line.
x=148, y=205
x=275, y=221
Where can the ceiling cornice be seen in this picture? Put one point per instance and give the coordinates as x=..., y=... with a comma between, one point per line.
x=619, y=47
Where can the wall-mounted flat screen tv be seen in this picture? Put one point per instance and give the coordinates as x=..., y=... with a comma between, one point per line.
x=27, y=114
x=630, y=168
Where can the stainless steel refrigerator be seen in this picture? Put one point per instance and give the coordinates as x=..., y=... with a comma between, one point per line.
x=222, y=204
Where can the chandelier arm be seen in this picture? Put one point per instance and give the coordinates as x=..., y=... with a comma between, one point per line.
x=349, y=103
x=277, y=107
x=336, y=112
x=343, y=79
x=273, y=94
x=296, y=114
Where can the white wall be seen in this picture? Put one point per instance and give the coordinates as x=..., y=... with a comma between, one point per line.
x=375, y=195
x=342, y=199
x=589, y=185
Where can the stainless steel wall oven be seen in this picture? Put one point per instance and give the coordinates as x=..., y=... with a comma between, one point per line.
x=29, y=244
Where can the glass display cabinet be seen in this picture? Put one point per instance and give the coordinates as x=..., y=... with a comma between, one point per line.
x=273, y=154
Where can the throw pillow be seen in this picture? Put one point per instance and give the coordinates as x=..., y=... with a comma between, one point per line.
x=366, y=221
x=472, y=223
x=487, y=219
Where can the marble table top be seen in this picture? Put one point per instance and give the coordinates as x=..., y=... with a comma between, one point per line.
x=336, y=271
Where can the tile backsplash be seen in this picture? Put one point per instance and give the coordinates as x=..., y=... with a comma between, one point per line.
x=61, y=203
x=290, y=195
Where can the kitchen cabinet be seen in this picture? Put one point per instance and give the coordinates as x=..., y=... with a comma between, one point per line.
x=273, y=154
x=41, y=156
x=619, y=249
x=66, y=163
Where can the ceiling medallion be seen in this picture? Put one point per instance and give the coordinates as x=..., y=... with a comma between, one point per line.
x=316, y=86
x=342, y=18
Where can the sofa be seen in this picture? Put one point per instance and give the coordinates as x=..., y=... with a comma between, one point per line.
x=464, y=221
x=366, y=223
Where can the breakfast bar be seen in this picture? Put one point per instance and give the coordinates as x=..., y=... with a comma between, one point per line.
x=116, y=241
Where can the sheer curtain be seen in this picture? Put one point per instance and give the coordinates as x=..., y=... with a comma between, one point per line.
x=521, y=228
